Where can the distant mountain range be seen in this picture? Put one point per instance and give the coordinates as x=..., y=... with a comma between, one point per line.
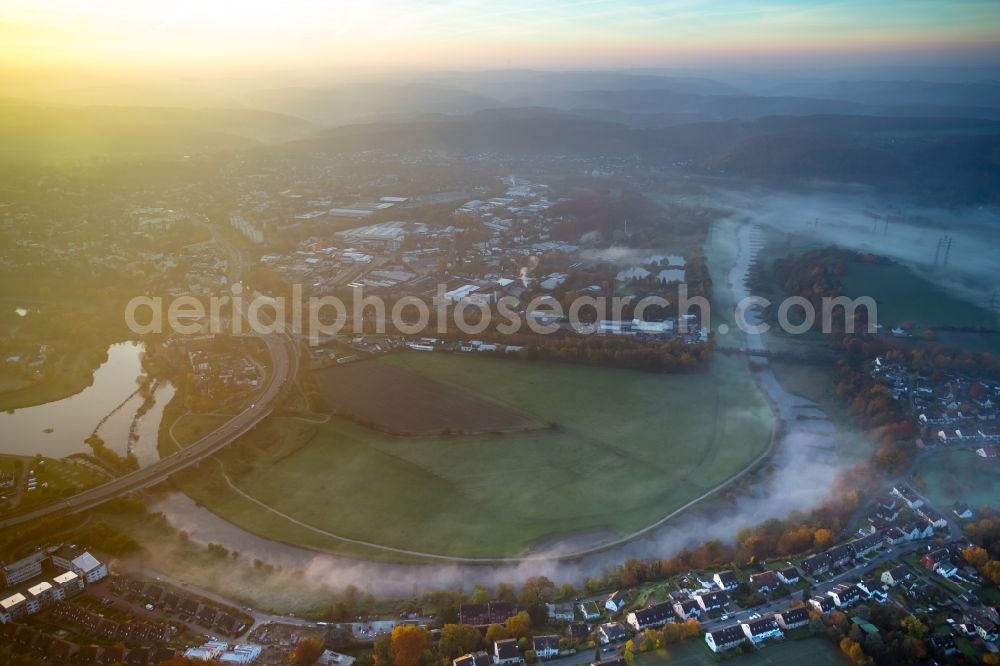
x=41, y=133
x=954, y=158
x=937, y=139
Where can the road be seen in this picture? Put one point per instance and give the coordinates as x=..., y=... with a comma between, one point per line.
x=283, y=374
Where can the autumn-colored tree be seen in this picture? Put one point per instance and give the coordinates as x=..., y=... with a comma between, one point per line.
x=307, y=651
x=852, y=651
x=382, y=651
x=538, y=589
x=496, y=632
x=518, y=625
x=458, y=639
x=795, y=540
x=991, y=571
x=408, y=644
x=629, y=653
x=976, y=556
x=822, y=538
x=913, y=626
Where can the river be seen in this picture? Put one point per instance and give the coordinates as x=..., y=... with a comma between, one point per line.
x=59, y=428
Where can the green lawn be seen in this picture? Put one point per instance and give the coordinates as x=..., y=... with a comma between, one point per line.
x=629, y=448
x=815, y=651
x=903, y=296
x=960, y=475
x=70, y=374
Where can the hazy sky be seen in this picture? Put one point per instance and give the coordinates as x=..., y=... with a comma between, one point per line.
x=462, y=34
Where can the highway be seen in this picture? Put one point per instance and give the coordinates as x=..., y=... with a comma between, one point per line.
x=282, y=373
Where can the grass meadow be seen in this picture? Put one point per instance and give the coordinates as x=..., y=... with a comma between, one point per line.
x=620, y=450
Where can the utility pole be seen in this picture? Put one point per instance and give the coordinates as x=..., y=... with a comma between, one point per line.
x=947, y=249
x=937, y=252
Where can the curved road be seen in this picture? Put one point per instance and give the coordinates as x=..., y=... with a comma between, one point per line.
x=283, y=373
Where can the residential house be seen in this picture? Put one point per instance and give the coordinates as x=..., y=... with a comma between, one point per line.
x=726, y=580
x=840, y=555
x=611, y=661
x=870, y=589
x=765, y=582
x=578, y=630
x=961, y=510
x=823, y=604
x=760, y=630
x=886, y=512
x=940, y=561
x=913, y=588
x=545, y=647
x=919, y=531
x=817, y=564
x=845, y=595
x=792, y=618
x=499, y=611
x=615, y=602
x=984, y=619
x=944, y=645
x=726, y=638
x=789, y=576
x=506, y=652
x=476, y=615
x=861, y=547
x=611, y=632
x=561, y=613
x=895, y=536
x=589, y=611
x=687, y=609
x=710, y=601
x=896, y=575
x=932, y=517
x=654, y=615
x=475, y=659
x=907, y=495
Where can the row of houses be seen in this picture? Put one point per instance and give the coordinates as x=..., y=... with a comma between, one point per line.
x=658, y=614
x=26, y=639
x=506, y=652
x=842, y=554
x=756, y=631
x=101, y=628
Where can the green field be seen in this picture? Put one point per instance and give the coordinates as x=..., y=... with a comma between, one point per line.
x=70, y=374
x=960, y=475
x=813, y=651
x=903, y=296
x=624, y=449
